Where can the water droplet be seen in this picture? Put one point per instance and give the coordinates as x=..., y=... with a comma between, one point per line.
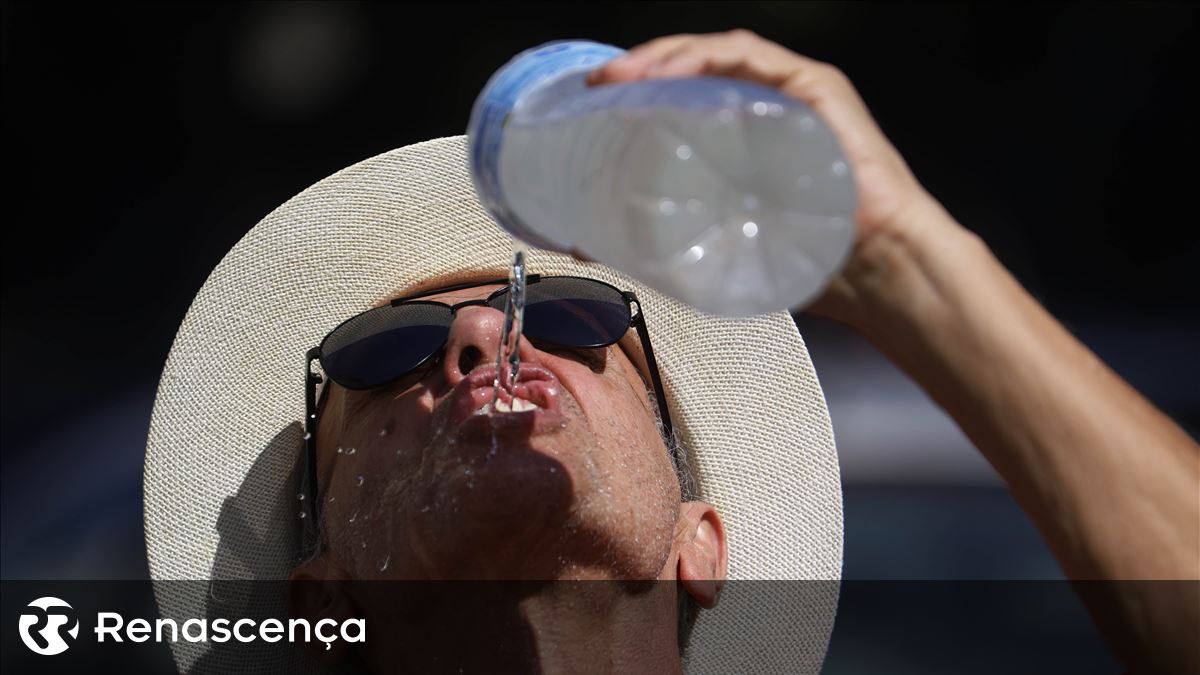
x=553, y=470
x=360, y=481
x=383, y=432
x=313, y=416
x=759, y=108
x=340, y=451
x=695, y=253
x=425, y=509
x=303, y=514
x=332, y=500
x=750, y=228
x=384, y=565
x=350, y=451
x=683, y=152
x=364, y=544
x=307, y=436
x=667, y=207
x=353, y=517
x=300, y=496
x=839, y=168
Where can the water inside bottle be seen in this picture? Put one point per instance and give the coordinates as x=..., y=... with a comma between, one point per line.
x=736, y=212
x=508, y=355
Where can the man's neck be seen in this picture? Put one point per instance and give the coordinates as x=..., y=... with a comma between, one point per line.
x=542, y=627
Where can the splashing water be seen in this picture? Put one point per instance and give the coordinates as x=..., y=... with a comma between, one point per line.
x=509, y=352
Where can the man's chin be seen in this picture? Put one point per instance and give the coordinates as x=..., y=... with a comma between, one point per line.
x=495, y=512
x=483, y=428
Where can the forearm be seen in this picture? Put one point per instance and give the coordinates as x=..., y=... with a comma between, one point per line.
x=1111, y=482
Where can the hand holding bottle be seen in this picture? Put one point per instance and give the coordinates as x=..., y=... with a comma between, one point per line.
x=1104, y=474
x=890, y=200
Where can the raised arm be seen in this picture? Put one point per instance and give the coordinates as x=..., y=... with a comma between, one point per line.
x=1111, y=482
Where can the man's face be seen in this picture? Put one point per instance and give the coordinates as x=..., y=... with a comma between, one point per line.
x=417, y=482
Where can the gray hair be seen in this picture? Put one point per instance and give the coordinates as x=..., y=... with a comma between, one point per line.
x=687, y=608
x=689, y=484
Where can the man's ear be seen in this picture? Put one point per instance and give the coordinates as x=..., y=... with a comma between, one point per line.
x=702, y=554
x=315, y=592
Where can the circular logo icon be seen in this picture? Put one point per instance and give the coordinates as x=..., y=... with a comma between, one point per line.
x=43, y=624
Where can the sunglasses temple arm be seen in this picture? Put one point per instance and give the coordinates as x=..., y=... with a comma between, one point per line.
x=639, y=322
x=310, y=433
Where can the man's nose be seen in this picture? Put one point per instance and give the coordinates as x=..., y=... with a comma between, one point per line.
x=474, y=340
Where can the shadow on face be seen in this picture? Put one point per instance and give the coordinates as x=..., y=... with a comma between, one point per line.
x=416, y=483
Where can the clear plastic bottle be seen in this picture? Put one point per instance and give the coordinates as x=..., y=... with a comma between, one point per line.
x=723, y=193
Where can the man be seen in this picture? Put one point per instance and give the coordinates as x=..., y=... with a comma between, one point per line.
x=415, y=483
x=574, y=480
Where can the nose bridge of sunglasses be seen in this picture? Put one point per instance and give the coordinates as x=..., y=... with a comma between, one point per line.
x=480, y=302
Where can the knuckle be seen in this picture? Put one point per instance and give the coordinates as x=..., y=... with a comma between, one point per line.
x=742, y=34
x=834, y=74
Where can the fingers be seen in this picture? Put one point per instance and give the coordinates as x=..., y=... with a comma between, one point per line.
x=738, y=54
x=684, y=62
x=743, y=55
x=632, y=65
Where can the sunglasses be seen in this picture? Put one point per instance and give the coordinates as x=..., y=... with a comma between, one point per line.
x=382, y=345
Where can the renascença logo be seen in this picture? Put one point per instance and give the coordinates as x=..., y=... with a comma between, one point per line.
x=46, y=619
x=43, y=626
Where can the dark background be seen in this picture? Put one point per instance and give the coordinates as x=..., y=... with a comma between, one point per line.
x=140, y=142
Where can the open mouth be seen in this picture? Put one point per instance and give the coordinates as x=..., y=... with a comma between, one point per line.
x=536, y=393
x=535, y=389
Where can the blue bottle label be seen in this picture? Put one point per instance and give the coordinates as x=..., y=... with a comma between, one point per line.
x=521, y=76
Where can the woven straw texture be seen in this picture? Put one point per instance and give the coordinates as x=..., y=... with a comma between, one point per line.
x=225, y=438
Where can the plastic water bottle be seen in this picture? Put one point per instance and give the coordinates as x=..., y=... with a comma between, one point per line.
x=725, y=194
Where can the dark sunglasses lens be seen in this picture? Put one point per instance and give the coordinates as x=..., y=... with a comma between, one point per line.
x=383, y=344
x=575, y=312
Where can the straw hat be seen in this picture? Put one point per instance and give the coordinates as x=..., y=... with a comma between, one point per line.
x=225, y=441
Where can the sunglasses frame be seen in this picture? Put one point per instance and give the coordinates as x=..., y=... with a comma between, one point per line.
x=637, y=321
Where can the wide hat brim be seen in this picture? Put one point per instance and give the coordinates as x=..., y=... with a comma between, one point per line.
x=222, y=455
